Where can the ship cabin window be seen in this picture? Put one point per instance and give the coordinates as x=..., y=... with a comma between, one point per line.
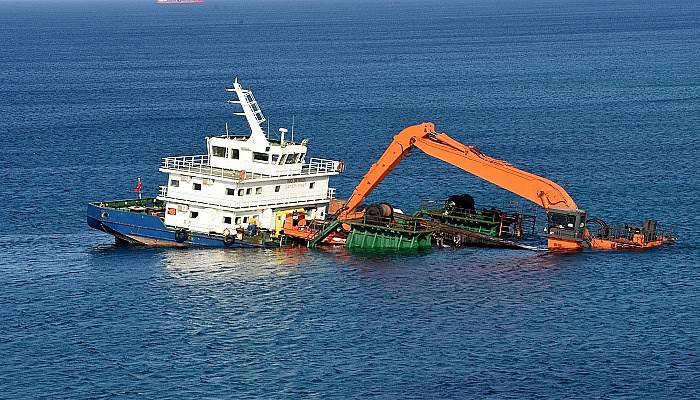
x=258, y=190
x=241, y=192
x=261, y=157
x=235, y=153
x=291, y=158
x=218, y=151
x=299, y=158
x=311, y=185
x=283, y=158
x=238, y=220
x=277, y=189
x=194, y=214
x=245, y=220
x=248, y=191
x=275, y=158
x=196, y=186
x=230, y=191
x=174, y=183
x=227, y=220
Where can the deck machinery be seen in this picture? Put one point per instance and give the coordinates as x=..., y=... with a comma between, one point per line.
x=459, y=222
x=566, y=223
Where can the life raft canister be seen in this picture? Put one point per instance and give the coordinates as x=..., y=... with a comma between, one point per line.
x=181, y=235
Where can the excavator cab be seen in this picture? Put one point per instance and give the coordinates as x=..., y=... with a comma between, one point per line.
x=565, y=228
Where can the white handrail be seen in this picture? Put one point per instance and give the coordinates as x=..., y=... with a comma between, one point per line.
x=250, y=201
x=199, y=164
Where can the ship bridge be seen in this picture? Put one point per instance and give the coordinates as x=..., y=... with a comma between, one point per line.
x=257, y=153
x=245, y=178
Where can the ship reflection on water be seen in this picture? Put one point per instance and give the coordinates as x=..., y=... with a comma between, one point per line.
x=222, y=264
x=500, y=267
x=213, y=264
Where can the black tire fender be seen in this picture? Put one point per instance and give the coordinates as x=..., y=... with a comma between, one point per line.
x=181, y=235
x=229, y=240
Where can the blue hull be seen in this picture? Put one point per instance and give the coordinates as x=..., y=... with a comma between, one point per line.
x=143, y=229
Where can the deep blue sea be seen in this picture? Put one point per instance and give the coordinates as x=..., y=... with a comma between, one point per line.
x=600, y=96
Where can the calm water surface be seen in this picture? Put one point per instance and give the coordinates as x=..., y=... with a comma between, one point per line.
x=602, y=97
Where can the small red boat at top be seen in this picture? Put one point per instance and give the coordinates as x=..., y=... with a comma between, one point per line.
x=179, y=1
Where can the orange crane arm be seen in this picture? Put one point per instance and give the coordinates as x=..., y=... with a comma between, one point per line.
x=537, y=189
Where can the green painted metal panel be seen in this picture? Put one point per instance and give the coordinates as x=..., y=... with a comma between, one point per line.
x=376, y=238
x=474, y=223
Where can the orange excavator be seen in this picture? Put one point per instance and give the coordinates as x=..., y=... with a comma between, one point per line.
x=566, y=228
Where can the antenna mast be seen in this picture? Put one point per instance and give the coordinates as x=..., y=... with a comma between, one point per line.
x=251, y=110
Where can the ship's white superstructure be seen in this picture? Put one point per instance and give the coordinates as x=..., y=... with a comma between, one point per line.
x=245, y=179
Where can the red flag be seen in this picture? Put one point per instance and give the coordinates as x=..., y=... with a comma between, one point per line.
x=138, y=186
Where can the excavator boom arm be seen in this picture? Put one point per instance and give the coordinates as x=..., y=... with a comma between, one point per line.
x=392, y=156
x=539, y=190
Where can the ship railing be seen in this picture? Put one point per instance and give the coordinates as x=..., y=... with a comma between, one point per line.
x=320, y=165
x=199, y=164
x=251, y=201
x=163, y=191
x=398, y=222
x=627, y=232
x=313, y=167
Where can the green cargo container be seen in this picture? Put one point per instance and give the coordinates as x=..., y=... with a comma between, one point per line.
x=385, y=237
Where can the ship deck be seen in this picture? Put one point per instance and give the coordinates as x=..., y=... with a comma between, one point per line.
x=149, y=205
